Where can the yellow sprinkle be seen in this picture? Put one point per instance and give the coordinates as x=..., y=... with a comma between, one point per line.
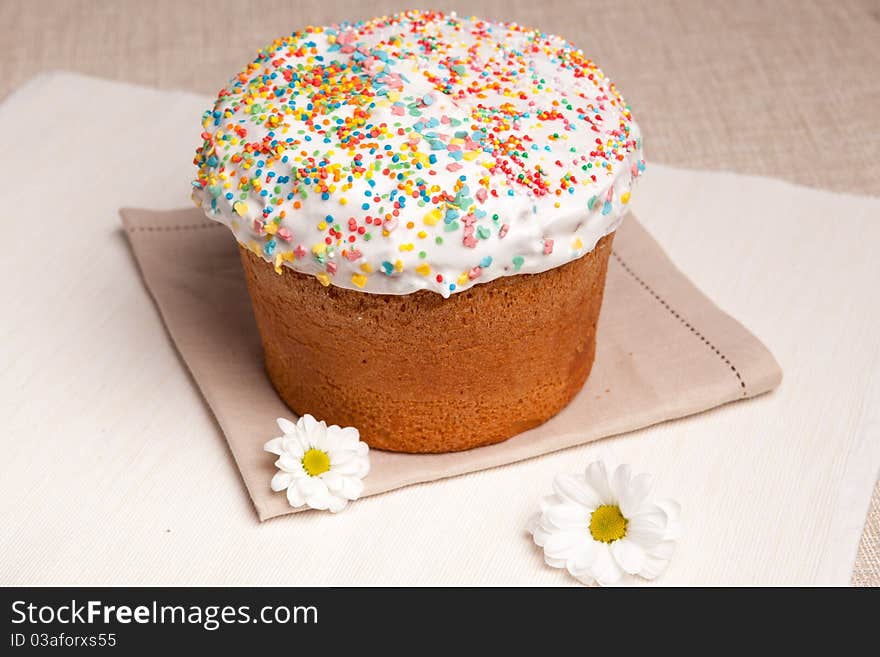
x=422, y=234
x=624, y=198
x=471, y=155
x=324, y=278
x=322, y=225
x=423, y=269
x=406, y=247
x=319, y=248
x=343, y=201
x=433, y=217
x=271, y=228
x=578, y=244
x=463, y=279
x=278, y=260
x=366, y=268
x=398, y=265
x=358, y=279
x=239, y=208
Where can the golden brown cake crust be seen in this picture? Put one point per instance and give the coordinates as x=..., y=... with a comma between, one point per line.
x=420, y=373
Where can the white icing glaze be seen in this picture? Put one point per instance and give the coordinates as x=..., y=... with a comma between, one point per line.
x=466, y=108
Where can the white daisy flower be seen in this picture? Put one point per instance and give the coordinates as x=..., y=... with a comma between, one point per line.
x=320, y=466
x=602, y=526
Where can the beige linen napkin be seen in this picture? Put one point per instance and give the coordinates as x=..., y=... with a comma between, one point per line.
x=664, y=351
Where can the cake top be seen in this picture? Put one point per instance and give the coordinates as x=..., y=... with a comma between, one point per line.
x=419, y=151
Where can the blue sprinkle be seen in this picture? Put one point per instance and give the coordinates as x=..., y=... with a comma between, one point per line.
x=606, y=208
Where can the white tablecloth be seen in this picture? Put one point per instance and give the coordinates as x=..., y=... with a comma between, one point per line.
x=114, y=471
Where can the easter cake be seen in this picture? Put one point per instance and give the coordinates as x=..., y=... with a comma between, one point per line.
x=425, y=206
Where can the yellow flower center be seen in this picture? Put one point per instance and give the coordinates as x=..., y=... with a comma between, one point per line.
x=315, y=462
x=607, y=523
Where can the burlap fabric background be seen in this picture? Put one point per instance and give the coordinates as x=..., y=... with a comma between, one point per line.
x=787, y=88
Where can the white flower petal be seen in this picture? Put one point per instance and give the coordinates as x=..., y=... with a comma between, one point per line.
x=307, y=422
x=597, y=478
x=280, y=481
x=294, y=497
x=577, y=490
x=334, y=480
x=586, y=578
x=336, y=503
x=532, y=523
x=349, y=436
x=633, y=495
x=356, y=467
x=629, y=555
x=275, y=446
x=563, y=544
x=673, y=519
x=619, y=480
x=657, y=559
x=647, y=527
x=581, y=561
x=550, y=500
x=539, y=534
x=286, y=425
x=318, y=497
x=605, y=569
x=311, y=486
x=288, y=463
x=568, y=516
x=352, y=488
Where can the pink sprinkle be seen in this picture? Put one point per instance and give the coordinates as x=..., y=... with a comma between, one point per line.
x=300, y=251
x=258, y=227
x=469, y=240
x=503, y=231
x=353, y=254
x=397, y=110
x=331, y=267
x=548, y=246
x=390, y=225
x=444, y=120
x=610, y=194
x=482, y=194
x=454, y=166
x=370, y=64
x=475, y=273
x=285, y=234
x=348, y=36
x=391, y=79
